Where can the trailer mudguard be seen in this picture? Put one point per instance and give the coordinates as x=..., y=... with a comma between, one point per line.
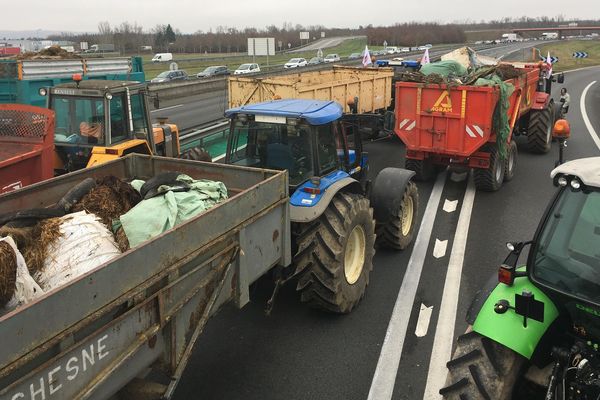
x=306, y=207
x=508, y=328
x=540, y=101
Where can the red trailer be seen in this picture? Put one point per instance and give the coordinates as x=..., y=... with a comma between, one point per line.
x=453, y=125
x=26, y=145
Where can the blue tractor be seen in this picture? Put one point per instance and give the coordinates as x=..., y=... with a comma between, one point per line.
x=337, y=214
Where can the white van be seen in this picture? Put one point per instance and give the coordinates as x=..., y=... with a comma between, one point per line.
x=162, y=57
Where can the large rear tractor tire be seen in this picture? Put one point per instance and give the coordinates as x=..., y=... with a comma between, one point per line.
x=424, y=170
x=491, y=178
x=335, y=255
x=481, y=369
x=397, y=233
x=511, y=161
x=539, y=132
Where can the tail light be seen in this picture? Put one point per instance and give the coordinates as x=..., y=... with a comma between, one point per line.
x=506, y=275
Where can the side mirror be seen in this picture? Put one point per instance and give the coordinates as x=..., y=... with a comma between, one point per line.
x=560, y=78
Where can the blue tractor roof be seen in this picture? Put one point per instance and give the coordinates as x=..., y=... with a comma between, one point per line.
x=315, y=112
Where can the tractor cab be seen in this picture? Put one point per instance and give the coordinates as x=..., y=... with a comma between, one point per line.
x=99, y=120
x=308, y=138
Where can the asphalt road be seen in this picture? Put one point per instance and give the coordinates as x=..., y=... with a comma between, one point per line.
x=188, y=112
x=377, y=352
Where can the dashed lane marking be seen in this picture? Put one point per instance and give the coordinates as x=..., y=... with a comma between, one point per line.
x=382, y=386
x=450, y=206
x=444, y=331
x=423, y=321
x=439, y=250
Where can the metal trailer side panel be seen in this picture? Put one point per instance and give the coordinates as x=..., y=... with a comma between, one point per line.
x=145, y=273
x=373, y=87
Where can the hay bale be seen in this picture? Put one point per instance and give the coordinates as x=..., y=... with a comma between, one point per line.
x=33, y=242
x=110, y=199
x=8, y=272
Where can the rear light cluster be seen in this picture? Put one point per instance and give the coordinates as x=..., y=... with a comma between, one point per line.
x=506, y=275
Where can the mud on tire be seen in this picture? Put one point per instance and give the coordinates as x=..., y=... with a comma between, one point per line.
x=323, y=248
x=481, y=369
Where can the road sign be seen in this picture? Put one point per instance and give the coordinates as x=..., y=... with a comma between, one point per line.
x=580, y=54
x=304, y=35
x=261, y=46
x=553, y=59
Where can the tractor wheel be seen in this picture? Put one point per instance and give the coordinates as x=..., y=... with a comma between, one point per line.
x=539, y=132
x=491, y=178
x=481, y=369
x=335, y=255
x=424, y=169
x=511, y=161
x=197, y=154
x=398, y=232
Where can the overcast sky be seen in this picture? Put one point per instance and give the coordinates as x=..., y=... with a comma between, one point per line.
x=192, y=15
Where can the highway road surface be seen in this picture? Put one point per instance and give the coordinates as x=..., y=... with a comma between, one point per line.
x=396, y=343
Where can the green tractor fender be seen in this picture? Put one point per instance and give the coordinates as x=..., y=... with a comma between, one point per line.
x=510, y=328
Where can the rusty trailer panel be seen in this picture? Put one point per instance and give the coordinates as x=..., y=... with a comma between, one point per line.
x=372, y=86
x=146, y=308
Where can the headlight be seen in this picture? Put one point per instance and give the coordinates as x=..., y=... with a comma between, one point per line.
x=108, y=95
x=43, y=92
x=562, y=181
x=575, y=184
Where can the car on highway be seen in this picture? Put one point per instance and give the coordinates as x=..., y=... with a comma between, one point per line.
x=422, y=48
x=329, y=58
x=405, y=50
x=295, y=63
x=392, y=50
x=169, y=76
x=249, y=68
x=354, y=56
x=210, y=72
x=315, y=61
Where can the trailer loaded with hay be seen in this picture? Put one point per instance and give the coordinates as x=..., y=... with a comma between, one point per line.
x=109, y=275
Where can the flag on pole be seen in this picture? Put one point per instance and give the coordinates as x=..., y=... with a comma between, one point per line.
x=549, y=62
x=366, y=57
x=425, y=59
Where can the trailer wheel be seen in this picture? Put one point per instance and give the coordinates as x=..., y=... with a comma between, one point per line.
x=511, y=161
x=491, y=178
x=397, y=233
x=335, y=255
x=481, y=369
x=539, y=132
x=424, y=169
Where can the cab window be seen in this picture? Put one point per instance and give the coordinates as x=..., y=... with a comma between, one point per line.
x=327, y=148
x=118, y=119
x=138, y=114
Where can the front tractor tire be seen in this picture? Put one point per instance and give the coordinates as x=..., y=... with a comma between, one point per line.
x=481, y=369
x=539, y=131
x=335, y=255
x=397, y=233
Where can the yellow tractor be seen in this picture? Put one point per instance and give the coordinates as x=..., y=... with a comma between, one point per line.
x=101, y=120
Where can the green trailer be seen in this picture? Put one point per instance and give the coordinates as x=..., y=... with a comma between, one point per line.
x=20, y=80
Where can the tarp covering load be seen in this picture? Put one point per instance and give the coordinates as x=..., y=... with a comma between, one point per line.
x=168, y=201
x=446, y=69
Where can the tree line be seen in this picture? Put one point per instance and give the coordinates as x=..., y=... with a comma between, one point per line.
x=130, y=37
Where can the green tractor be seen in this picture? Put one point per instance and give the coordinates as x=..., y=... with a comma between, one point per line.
x=536, y=334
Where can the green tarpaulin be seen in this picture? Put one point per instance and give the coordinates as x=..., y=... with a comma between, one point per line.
x=153, y=216
x=444, y=68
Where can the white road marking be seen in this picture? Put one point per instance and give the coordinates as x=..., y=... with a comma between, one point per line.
x=439, y=250
x=166, y=108
x=584, y=114
x=458, y=177
x=444, y=331
x=450, y=206
x=423, y=321
x=382, y=386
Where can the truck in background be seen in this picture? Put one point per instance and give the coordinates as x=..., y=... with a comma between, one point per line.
x=101, y=48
